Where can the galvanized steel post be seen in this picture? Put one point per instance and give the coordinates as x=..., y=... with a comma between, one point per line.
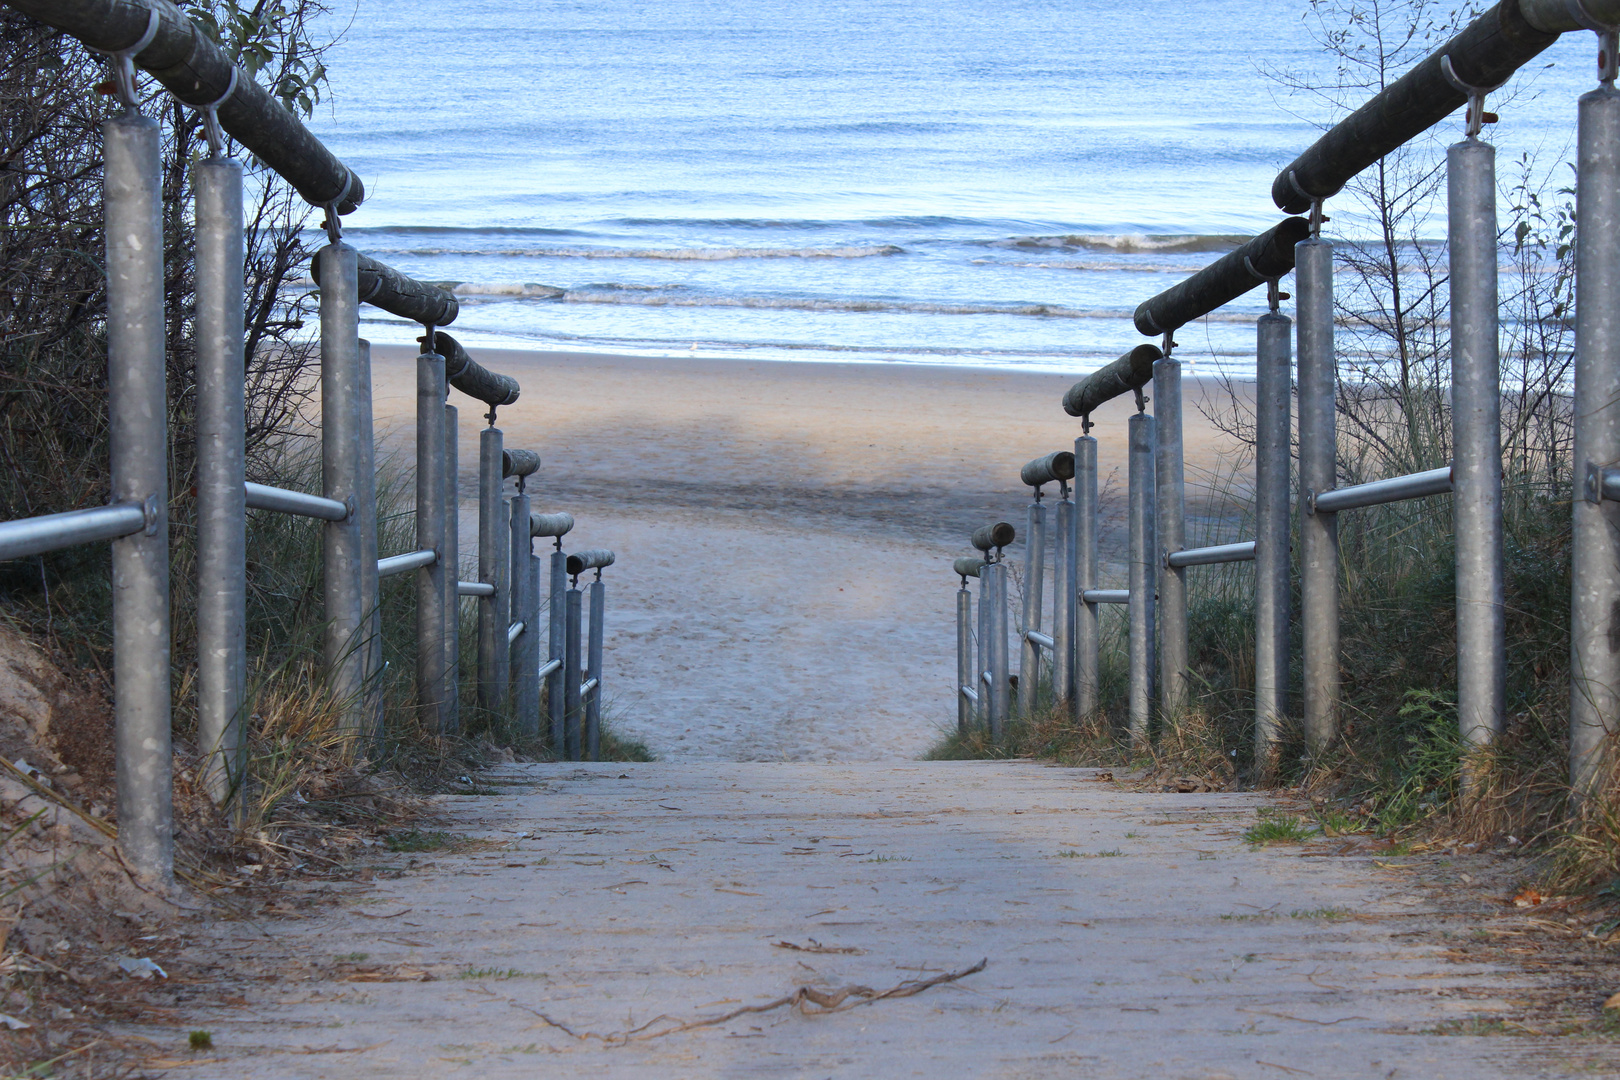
x=1086, y=639
x=343, y=638
x=1000, y=681
x=1063, y=601
x=1476, y=417
x=430, y=536
x=365, y=512
x=1029, y=661
x=529, y=655
x=571, y=675
x=1144, y=552
x=1170, y=510
x=1318, y=471
x=221, y=500
x=556, y=692
x=1595, y=561
x=1273, y=463
x=451, y=495
x=525, y=609
x=981, y=673
x=964, y=660
x=593, y=669
x=138, y=411
x=494, y=568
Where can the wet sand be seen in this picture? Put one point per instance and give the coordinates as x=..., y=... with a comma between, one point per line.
x=784, y=531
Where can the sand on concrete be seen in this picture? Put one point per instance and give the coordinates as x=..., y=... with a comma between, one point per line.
x=1127, y=935
x=785, y=530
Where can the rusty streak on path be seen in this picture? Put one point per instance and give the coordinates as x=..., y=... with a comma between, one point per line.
x=597, y=932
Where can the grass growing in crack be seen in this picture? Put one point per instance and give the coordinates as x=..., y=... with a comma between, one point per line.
x=414, y=840
x=1277, y=828
x=492, y=973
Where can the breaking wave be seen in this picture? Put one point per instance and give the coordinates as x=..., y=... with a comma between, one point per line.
x=1126, y=243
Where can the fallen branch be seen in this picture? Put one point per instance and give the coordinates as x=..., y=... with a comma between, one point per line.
x=817, y=947
x=807, y=1000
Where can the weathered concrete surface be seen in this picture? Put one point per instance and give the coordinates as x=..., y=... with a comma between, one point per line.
x=1128, y=935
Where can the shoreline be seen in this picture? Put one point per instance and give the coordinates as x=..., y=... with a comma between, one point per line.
x=1072, y=365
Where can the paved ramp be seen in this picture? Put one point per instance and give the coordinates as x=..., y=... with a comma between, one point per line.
x=1127, y=935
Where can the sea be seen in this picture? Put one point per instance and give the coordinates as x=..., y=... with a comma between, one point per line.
x=991, y=183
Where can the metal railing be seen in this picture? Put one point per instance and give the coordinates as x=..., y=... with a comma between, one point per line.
x=156, y=36
x=1486, y=52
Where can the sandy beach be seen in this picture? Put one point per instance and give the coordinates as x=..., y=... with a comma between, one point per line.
x=784, y=530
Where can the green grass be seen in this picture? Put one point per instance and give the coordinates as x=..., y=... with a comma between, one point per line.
x=414, y=840
x=1278, y=828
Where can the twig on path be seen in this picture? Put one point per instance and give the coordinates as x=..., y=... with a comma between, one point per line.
x=807, y=1000
x=1304, y=1019
x=817, y=947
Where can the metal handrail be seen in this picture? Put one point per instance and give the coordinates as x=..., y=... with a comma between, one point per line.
x=300, y=503
x=159, y=37
x=549, y=667
x=968, y=693
x=1485, y=53
x=588, y=687
x=1039, y=638
x=1130, y=372
x=52, y=532
x=195, y=70
x=1106, y=596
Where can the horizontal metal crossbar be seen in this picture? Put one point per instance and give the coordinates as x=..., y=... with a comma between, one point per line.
x=411, y=560
x=301, y=503
x=1395, y=489
x=589, y=688
x=1106, y=596
x=52, y=532
x=474, y=588
x=1206, y=556
x=1602, y=483
x=514, y=631
x=967, y=692
x=1038, y=638
x=549, y=666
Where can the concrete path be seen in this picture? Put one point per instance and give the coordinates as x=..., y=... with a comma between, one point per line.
x=1127, y=935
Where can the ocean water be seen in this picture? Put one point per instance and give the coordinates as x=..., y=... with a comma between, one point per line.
x=991, y=183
